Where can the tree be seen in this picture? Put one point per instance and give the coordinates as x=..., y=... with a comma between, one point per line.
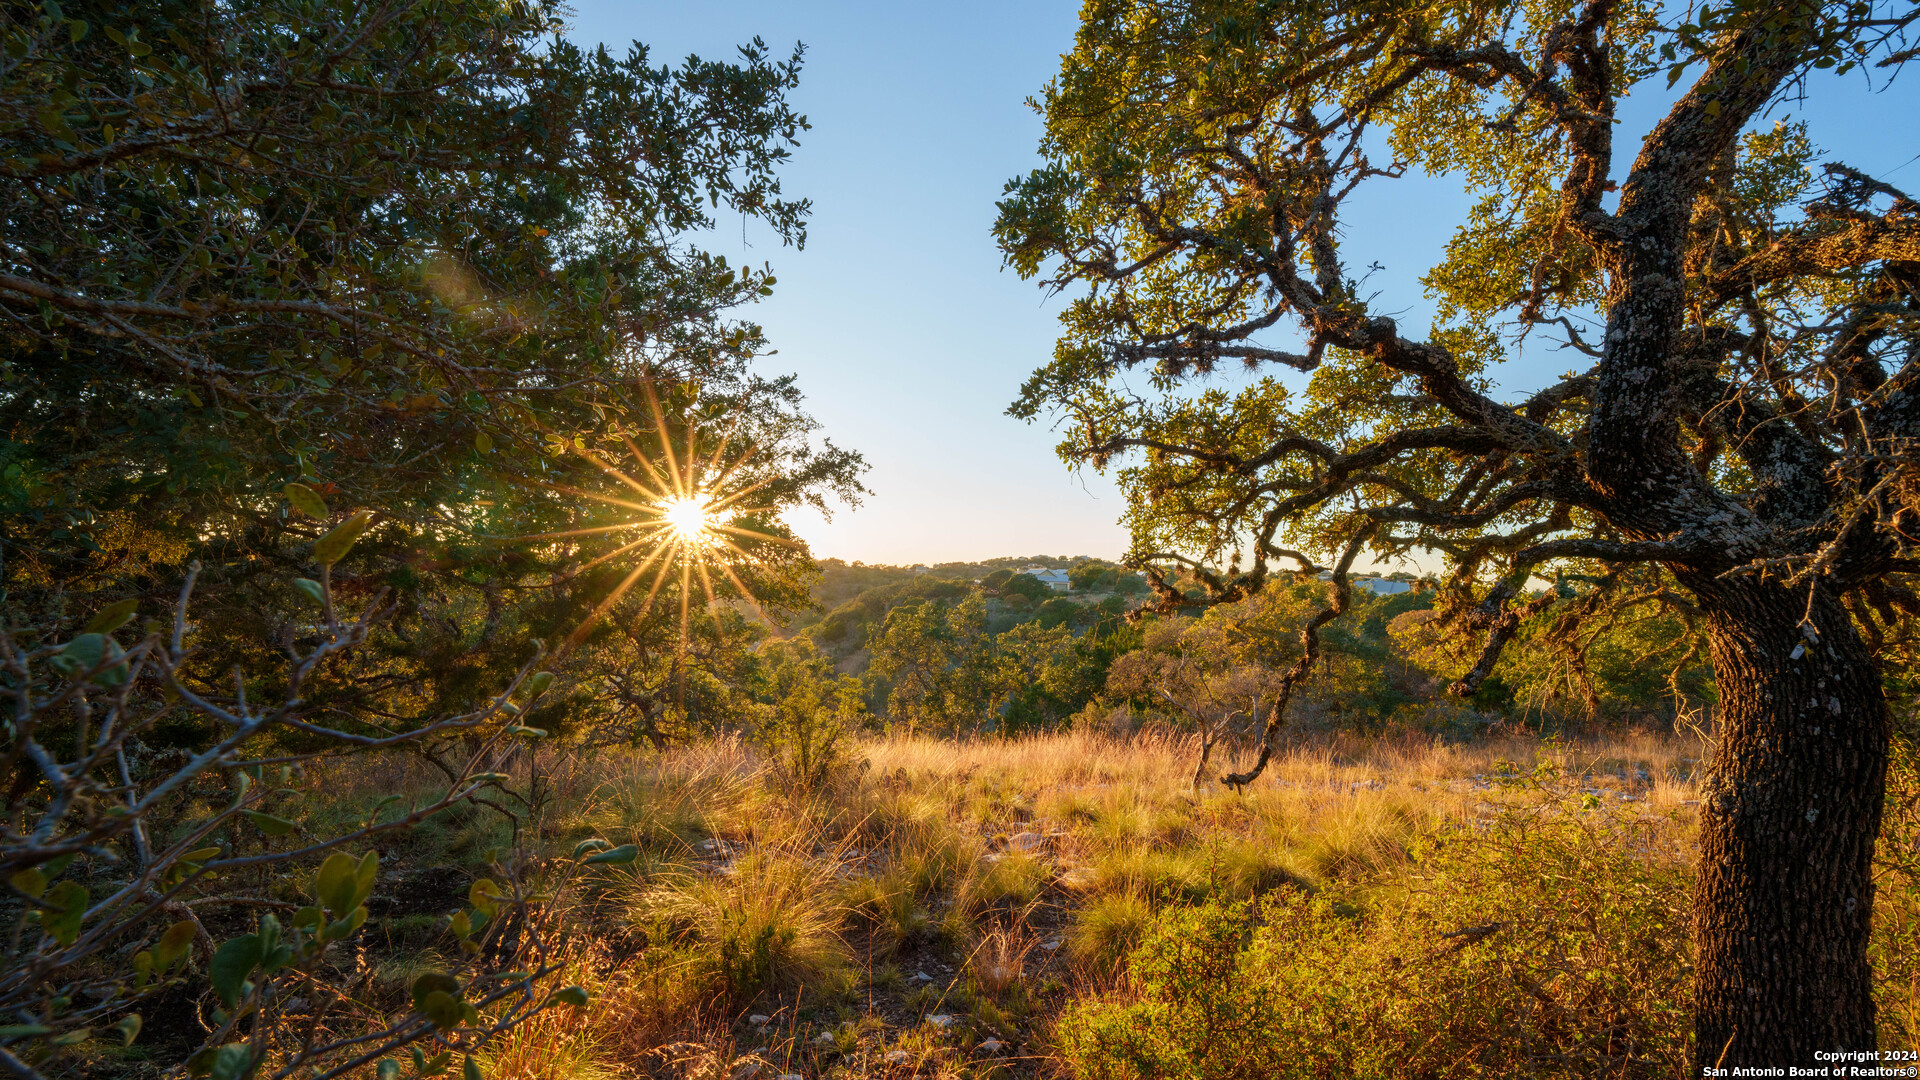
x=419, y=259
x=1741, y=445
x=1028, y=586
x=409, y=273
x=401, y=252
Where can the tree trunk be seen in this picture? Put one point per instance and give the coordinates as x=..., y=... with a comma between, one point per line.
x=1790, y=812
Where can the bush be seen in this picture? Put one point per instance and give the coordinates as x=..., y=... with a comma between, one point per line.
x=141, y=862
x=1552, y=945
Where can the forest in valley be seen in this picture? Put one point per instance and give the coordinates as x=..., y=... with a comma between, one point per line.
x=414, y=660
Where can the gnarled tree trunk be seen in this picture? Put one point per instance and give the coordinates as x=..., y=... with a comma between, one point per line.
x=1789, y=815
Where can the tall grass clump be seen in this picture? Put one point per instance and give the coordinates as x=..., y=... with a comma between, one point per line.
x=769, y=922
x=1551, y=942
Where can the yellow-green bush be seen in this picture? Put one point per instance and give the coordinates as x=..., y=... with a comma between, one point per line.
x=1551, y=943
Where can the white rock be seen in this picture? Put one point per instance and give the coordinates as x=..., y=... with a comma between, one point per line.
x=921, y=976
x=1050, y=944
x=825, y=1038
x=1026, y=841
x=759, y=1019
x=941, y=1020
x=992, y=1046
x=898, y=1057
x=790, y=1076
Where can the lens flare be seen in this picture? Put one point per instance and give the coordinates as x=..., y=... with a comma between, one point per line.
x=689, y=517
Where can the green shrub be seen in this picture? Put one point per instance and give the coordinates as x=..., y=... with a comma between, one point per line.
x=1552, y=944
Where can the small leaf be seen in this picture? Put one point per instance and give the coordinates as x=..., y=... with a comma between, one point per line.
x=32, y=882
x=471, y=1070
x=313, y=590
x=442, y=1010
x=200, y=855
x=619, y=856
x=484, y=893
x=433, y=982
x=388, y=1069
x=460, y=925
x=334, y=885
x=68, y=904
x=71, y=1038
x=587, y=847
x=523, y=732
x=330, y=548
x=537, y=683
x=267, y=823
x=233, y=961
x=129, y=1028
x=364, y=874
x=23, y=1031
x=173, y=944
x=114, y=616
x=83, y=653
x=483, y=442
x=575, y=996
x=232, y=1062
x=307, y=501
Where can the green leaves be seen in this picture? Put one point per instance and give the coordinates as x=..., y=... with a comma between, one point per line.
x=129, y=1028
x=311, y=589
x=307, y=501
x=30, y=882
x=113, y=616
x=65, y=907
x=344, y=882
x=267, y=823
x=436, y=996
x=87, y=652
x=171, y=949
x=619, y=856
x=233, y=961
x=332, y=547
x=575, y=996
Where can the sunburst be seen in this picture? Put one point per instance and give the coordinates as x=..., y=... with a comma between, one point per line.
x=686, y=508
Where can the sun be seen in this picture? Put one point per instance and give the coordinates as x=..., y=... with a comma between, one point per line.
x=689, y=517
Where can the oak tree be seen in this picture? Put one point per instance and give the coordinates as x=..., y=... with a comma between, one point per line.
x=1739, y=435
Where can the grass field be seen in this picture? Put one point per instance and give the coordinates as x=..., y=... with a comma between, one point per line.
x=1071, y=904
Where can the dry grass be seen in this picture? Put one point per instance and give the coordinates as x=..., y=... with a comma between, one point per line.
x=955, y=859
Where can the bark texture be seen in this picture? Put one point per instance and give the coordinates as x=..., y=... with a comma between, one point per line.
x=1789, y=816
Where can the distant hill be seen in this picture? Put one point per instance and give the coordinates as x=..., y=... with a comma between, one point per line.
x=855, y=596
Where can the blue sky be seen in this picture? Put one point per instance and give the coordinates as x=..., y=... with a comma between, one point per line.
x=908, y=338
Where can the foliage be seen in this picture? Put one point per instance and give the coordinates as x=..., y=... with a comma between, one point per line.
x=121, y=859
x=425, y=261
x=808, y=715
x=1544, y=947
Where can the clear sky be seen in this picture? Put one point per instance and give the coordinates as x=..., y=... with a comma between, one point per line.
x=908, y=338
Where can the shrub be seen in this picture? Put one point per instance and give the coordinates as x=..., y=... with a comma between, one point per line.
x=136, y=860
x=1554, y=944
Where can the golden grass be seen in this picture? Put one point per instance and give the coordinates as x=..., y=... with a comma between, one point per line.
x=747, y=892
